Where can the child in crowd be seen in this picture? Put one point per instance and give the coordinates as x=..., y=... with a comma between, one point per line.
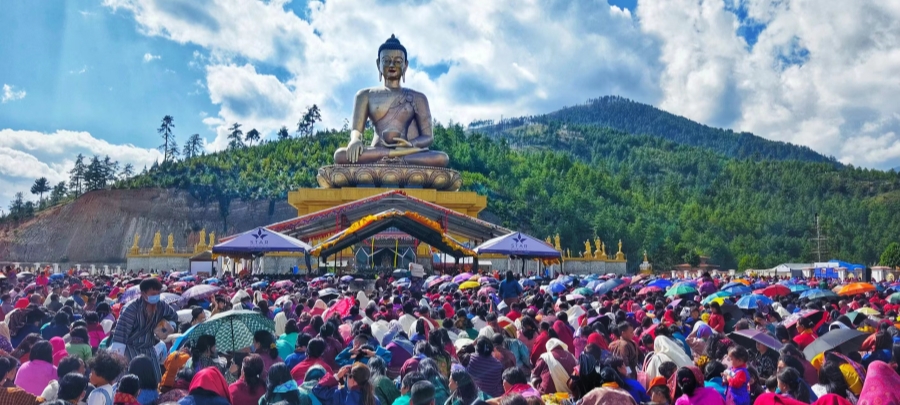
x=659, y=395
x=105, y=368
x=737, y=378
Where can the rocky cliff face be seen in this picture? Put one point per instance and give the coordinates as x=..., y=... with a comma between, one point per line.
x=99, y=227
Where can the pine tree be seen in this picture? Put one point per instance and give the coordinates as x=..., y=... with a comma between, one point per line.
x=252, y=135
x=165, y=131
x=95, y=175
x=40, y=187
x=127, y=171
x=192, y=147
x=283, y=133
x=110, y=171
x=76, y=175
x=58, y=193
x=236, y=137
x=17, y=207
x=307, y=123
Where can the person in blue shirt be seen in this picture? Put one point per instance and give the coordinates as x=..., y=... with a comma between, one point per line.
x=299, y=353
x=510, y=289
x=361, y=351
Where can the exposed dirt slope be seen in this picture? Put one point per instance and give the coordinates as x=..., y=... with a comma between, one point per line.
x=99, y=226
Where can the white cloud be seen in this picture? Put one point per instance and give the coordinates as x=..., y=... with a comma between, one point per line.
x=28, y=155
x=11, y=94
x=822, y=74
x=149, y=57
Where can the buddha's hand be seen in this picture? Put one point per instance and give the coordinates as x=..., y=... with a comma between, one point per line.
x=401, y=143
x=354, y=149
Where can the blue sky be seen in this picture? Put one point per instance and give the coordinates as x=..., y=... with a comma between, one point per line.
x=96, y=77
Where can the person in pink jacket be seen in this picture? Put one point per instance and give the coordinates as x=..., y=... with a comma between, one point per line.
x=34, y=375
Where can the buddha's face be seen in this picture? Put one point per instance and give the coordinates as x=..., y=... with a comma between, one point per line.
x=392, y=64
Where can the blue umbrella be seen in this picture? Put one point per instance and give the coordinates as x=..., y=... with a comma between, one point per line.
x=211, y=281
x=347, y=279
x=799, y=288
x=527, y=282
x=557, y=287
x=753, y=301
x=739, y=289
x=608, y=285
x=817, y=293
x=732, y=284
x=567, y=280
x=188, y=278
x=661, y=283
x=403, y=282
x=57, y=276
x=260, y=284
x=593, y=284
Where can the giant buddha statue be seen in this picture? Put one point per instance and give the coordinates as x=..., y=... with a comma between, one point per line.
x=399, y=154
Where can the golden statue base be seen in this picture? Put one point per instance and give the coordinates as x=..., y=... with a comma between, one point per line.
x=389, y=176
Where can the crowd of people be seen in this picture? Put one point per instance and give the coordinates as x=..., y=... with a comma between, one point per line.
x=113, y=340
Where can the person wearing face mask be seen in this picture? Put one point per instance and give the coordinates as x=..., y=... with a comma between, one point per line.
x=133, y=334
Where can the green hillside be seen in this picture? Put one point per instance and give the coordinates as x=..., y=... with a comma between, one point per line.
x=635, y=118
x=587, y=181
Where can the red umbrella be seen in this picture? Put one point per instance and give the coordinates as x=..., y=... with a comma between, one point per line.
x=648, y=290
x=776, y=290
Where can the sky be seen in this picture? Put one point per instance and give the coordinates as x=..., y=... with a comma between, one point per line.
x=96, y=77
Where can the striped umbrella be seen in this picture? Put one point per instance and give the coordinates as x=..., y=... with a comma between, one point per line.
x=233, y=330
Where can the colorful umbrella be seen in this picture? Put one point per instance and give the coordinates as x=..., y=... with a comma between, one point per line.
x=403, y=282
x=211, y=281
x=817, y=293
x=894, y=298
x=556, y=287
x=799, y=288
x=661, y=283
x=448, y=287
x=738, y=290
x=649, y=290
x=844, y=340
x=527, y=282
x=587, y=292
x=289, y=283
x=707, y=288
x=345, y=279
x=199, y=291
x=776, y=290
x=462, y=278
x=233, y=330
x=856, y=288
x=743, y=281
x=609, y=285
x=260, y=284
x=680, y=289
x=750, y=337
x=468, y=285
x=719, y=294
x=868, y=311
x=573, y=297
x=753, y=301
x=487, y=291
x=130, y=294
x=813, y=314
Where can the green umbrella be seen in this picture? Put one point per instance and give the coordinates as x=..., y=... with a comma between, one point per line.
x=894, y=298
x=233, y=330
x=680, y=289
x=587, y=292
x=717, y=294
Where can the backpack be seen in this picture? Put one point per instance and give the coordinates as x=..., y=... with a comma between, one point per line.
x=106, y=398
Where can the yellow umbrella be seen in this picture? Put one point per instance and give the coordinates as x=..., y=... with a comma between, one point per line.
x=856, y=288
x=469, y=284
x=720, y=300
x=868, y=311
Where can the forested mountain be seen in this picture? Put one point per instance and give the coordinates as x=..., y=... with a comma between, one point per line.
x=641, y=119
x=583, y=181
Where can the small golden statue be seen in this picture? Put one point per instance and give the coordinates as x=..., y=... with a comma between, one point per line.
x=587, y=249
x=598, y=252
x=170, y=248
x=201, y=245
x=556, y=243
x=549, y=241
x=645, y=256
x=603, y=249
x=157, y=243
x=620, y=255
x=134, y=247
x=212, y=239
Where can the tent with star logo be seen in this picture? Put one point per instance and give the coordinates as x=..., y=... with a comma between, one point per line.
x=259, y=241
x=518, y=245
